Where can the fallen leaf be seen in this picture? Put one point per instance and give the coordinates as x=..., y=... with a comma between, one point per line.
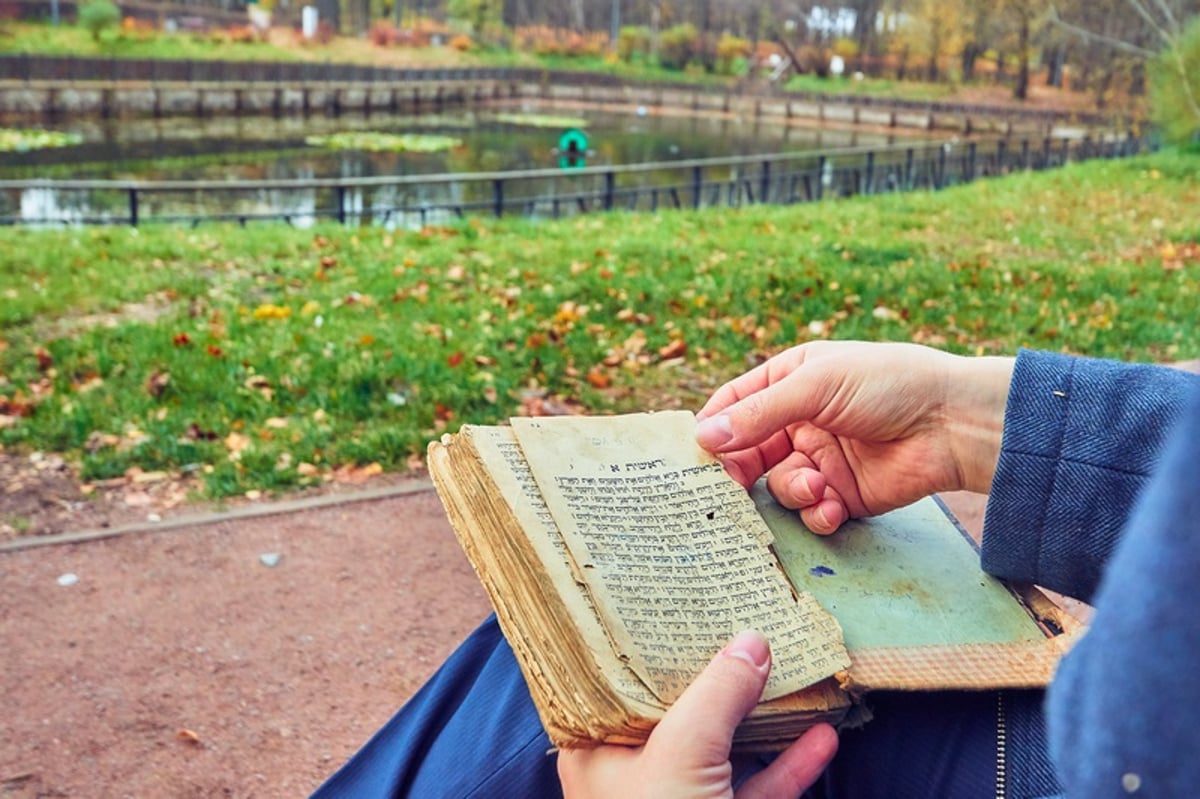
x=271, y=311
x=157, y=383
x=357, y=474
x=598, y=378
x=188, y=737
x=676, y=349
x=196, y=433
x=236, y=443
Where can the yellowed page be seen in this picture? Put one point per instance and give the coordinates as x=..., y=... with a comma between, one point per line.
x=672, y=549
x=498, y=450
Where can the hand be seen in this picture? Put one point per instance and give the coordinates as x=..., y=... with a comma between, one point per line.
x=851, y=429
x=687, y=754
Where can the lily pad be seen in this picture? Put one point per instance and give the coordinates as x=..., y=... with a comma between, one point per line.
x=374, y=141
x=21, y=140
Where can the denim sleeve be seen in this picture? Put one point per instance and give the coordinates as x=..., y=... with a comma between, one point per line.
x=1122, y=709
x=1081, y=437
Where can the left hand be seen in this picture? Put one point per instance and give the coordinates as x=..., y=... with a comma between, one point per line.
x=687, y=754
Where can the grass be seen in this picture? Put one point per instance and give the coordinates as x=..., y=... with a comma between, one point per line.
x=263, y=358
x=877, y=87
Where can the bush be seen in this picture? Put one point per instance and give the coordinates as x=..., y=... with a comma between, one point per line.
x=1174, y=100
x=678, y=45
x=634, y=40
x=96, y=16
x=732, y=52
x=383, y=34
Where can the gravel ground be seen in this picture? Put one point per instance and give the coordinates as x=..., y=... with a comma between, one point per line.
x=177, y=664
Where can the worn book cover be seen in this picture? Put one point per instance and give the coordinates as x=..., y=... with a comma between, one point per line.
x=620, y=557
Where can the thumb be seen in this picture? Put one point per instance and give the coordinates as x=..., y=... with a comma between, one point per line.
x=698, y=729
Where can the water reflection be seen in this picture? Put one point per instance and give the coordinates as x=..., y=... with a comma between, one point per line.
x=270, y=148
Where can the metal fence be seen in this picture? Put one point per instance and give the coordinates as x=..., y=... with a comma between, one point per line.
x=415, y=201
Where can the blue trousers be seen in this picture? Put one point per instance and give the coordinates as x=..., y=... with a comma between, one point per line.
x=472, y=731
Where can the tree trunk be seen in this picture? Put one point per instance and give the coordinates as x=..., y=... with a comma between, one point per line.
x=969, y=55
x=1056, y=61
x=1021, y=90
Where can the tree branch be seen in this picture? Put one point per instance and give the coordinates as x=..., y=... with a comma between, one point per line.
x=1087, y=35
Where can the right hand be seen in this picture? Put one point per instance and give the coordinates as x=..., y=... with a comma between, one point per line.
x=851, y=429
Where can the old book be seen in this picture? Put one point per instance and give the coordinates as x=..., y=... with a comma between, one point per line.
x=620, y=556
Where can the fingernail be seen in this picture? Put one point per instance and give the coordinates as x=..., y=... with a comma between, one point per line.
x=750, y=646
x=713, y=432
x=821, y=519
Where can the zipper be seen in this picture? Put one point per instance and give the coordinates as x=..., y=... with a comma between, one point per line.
x=1001, y=748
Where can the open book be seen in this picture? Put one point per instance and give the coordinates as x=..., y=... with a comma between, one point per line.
x=620, y=557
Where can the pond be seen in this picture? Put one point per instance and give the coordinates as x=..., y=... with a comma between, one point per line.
x=249, y=148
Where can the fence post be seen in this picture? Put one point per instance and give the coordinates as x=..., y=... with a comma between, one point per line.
x=940, y=180
x=869, y=183
x=765, y=188
x=908, y=168
x=498, y=197
x=340, y=191
x=1046, y=153
x=971, y=153
x=610, y=183
x=133, y=206
x=1001, y=156
x=697, y=185
x=821, y=177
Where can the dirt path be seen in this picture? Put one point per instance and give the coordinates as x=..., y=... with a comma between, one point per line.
x=178, y=664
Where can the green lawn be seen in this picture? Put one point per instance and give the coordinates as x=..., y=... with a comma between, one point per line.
x=265, y=357
x=875, y=87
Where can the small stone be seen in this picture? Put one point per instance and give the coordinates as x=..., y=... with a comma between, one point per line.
x=1131, y=782
x=153, y=517
x=270, y=559
x=68, y=579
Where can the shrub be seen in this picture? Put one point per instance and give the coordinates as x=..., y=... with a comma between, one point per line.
x=383, y=34
x=477, y=15
x=96, y=16
x=732, y=52
x=678, y=45
x=1175, y=88
x=633, y=40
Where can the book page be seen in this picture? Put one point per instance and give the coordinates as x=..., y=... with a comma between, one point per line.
x=498, y=449
x=672, y=549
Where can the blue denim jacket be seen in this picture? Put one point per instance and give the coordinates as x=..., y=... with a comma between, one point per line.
x=1095, y=497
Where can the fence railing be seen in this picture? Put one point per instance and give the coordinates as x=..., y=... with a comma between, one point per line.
x=42, y=68
x=416, y=201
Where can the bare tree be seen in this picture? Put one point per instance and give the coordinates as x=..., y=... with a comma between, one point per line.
x=1164, y=21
